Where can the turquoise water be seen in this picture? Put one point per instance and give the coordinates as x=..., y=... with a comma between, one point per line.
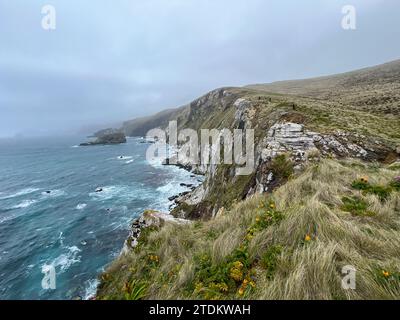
x=72, y=228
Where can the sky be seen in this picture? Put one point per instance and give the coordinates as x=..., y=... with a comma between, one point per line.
x=110, y=61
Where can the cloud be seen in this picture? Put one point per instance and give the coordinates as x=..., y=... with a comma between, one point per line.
x=111, y=61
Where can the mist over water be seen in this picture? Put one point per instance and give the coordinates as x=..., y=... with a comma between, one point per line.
x=50, y=214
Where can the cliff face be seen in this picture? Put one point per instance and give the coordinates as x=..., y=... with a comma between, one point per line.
x=302, y=140
x=290, y=133
x=348, y=115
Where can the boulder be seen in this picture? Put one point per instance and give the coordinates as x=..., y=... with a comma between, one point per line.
x=149, y=218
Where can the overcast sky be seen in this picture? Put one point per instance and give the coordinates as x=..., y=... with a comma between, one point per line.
x=109, y=61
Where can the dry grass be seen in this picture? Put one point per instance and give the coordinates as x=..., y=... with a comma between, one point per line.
x=304, y=251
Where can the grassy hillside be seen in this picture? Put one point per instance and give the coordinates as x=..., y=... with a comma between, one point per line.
x=365, y=101
x=317, y=214
x=371, y=89
x=291, y=244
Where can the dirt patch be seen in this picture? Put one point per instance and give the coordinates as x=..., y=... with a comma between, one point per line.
x=294, y=117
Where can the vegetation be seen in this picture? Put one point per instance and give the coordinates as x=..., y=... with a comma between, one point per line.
x=292, y=244
x=282, y=167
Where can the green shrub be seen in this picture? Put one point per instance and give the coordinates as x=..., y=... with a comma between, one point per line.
x=382, y=192
x=360, y=185
x=269, y=260
x=356, y=206
x=395, y=184
x=282, y=167
x=135, y=290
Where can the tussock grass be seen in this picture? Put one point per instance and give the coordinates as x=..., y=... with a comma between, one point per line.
x=297, y=251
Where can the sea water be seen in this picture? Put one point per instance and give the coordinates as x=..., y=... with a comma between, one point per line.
x=52, y=216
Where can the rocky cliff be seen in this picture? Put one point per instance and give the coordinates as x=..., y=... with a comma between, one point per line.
x=297, y=134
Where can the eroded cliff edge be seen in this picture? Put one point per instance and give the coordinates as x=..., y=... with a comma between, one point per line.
x=293, y=135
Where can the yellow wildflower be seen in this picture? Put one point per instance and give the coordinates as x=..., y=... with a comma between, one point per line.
x=236, y=274
x=307, y=238
x=386, y=274
x=241, y=291
x=222, y=287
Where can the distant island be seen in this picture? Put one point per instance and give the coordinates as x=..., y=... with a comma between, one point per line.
x=106, y=137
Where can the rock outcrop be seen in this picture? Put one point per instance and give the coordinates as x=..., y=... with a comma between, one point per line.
x=107, y=138
x=149, y=218
x=290, y=139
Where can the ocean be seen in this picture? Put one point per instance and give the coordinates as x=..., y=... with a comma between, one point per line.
x=51, y=214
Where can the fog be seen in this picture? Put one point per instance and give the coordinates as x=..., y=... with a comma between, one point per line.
x=109, y=61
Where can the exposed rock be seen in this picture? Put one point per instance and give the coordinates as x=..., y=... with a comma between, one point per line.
x=173, y=198
x=149, y=218
x=107, y=131
x=346, y=144
x=294, y=138
x=285, y=137
x=195, y=197
x=302, y=145
x=244, y=113
x=187, y=185
x=112, y=138
x=220, y=212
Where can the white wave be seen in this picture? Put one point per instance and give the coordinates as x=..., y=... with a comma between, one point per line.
x=124, y=157
x=64, y=261
x=75, y=146
x=20, y=193
x=90, y=288
x=61, y=238
x=81, y=206
x=6, y=218
x=24, y=204
x=129, y=161
x=156, y=162
x=53, y=193
x=168, y=188
x=110, y=192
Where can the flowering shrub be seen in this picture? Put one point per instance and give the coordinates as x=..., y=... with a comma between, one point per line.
x=235, y=275
x=362, y=184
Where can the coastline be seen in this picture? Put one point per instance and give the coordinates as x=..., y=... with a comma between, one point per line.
x=152, y=218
